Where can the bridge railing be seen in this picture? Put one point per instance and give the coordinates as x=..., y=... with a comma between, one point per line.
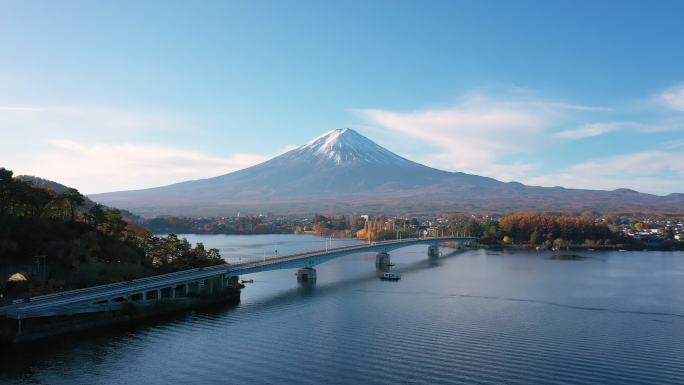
x=267, y=261
x=272, y=260
x=116, y=285
x=308, y=254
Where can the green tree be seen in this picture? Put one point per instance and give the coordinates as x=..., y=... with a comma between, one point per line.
x=96, y=215
x=534, y=238
x=113, y=224
x=6, y=186
x=73, y=198
x=492, y=233
x=559, y=243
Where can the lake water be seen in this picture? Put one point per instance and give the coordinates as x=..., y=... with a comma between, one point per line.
x=474, y=317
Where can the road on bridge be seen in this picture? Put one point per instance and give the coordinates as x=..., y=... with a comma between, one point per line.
x=59, y=303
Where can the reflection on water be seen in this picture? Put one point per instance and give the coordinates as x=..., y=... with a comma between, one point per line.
x=467, y=317
x=568, y=257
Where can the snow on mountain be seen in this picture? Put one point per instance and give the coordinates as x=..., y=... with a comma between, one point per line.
x=343, y=170
x=346, y=146
x=337, y=162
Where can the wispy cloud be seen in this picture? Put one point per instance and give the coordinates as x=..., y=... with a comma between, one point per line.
x=83, y=120
x=103, y=152
x=477, y=133
x=107, y=167
x=595, y=129
x=674, y=144
x=673, y=97
x=575, y=107
x=482, y=135
x=657, y=172
x=19, y=109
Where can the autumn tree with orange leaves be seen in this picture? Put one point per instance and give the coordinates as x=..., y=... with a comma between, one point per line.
x=523, y=228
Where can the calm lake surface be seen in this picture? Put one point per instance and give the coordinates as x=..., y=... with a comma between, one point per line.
x=474, y=317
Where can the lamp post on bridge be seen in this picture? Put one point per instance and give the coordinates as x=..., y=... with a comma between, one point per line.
x=329, y=239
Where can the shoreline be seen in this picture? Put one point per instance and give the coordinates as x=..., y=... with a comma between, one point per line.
x=622, y=247
x=20, y=331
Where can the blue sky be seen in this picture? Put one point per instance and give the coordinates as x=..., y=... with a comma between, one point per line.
x=118, y=95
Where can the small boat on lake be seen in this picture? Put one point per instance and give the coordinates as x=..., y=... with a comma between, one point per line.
x=247, y=281
x=391, y=276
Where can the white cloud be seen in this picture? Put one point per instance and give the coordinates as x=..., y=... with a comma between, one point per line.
x=578, y=107
x=476, y=134
x=595, y=129
x=673, y=97
x=92, y=162
x=84, y=120
x=110, y=167
x=674, y=144
x=481, y=135
x=657, y=172
x=19, y=109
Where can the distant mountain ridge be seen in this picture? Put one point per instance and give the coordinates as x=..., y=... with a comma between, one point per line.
x=37, y=181
x=60, y=188
x=343, y=170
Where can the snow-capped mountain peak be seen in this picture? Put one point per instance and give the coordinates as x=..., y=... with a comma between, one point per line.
x=346, y=146
x=343, y=170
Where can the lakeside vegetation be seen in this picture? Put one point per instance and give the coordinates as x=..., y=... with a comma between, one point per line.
x=536, y=229
x=251, y=224
x=588, y=229
x=555, y=232
x=62, y=241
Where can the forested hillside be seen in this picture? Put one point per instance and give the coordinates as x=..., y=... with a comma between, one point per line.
x=57, y=242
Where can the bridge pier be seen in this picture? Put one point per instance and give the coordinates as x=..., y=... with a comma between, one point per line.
x=306, y=274
x=382, y=259
x=233, y=281
x=210, y=280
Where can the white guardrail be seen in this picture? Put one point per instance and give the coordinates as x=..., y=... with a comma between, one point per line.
x=228, y=267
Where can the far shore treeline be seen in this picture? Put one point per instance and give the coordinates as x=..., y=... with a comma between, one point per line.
x=59, y=240
x=544, y=231
x=63, y=241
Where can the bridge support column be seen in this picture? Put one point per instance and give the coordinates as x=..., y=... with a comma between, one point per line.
x=306, y=274
x=382, y=259
x=433, y=251
x=233, y=281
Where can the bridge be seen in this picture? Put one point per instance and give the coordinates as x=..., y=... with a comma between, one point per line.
x=186, y=285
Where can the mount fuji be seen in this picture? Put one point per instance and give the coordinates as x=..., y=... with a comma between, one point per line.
x=343, y=170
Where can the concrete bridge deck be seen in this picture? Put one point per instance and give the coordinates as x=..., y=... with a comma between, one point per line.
x=184, y=283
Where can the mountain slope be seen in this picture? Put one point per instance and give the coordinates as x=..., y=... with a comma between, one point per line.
x=343, y=170
x=37, y=181
x=130, y=218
